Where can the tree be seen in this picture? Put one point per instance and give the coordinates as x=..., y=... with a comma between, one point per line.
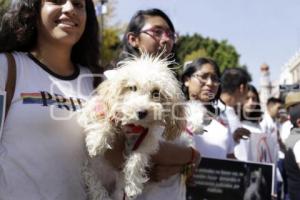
x=195, y=54
x=110, y=45
x=110, y=35
x=191, y=47
x=3, y=6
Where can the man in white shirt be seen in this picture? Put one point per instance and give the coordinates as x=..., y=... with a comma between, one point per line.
x=269, y=123
x=270, y=126
x=234, y=90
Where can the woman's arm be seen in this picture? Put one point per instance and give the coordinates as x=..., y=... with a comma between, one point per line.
x=170, y=160
x=172, y=154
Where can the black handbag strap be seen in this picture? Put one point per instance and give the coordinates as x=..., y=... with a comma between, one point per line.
x=11, y=80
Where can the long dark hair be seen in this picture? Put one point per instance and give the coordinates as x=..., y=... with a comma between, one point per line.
x=193, y=67
x=18, y=32
x=136, y=24
x=256, y=115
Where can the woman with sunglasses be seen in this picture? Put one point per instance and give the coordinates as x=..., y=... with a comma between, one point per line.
x=201, y=82
x=151, y=31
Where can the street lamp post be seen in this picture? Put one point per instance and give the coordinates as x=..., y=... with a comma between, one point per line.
x=101, y=10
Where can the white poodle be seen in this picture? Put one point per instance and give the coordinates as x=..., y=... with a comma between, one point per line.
x=142, y=100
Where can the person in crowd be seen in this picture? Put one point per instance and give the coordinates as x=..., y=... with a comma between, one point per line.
x=285, y=127
x=56, y=49
x=269, y=123
x=292, y=154
x=151, y=31
x=284, y=130
x=201, y=82
x=251, y=108
x=234, y=84
x=270, y=126
x=250, y=116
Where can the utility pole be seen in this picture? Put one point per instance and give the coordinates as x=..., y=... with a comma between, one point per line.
x=101, y=10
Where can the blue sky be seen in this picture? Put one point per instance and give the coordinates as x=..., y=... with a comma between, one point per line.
x=262, y=31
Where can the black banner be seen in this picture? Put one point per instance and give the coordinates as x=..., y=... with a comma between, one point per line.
x=217, y=179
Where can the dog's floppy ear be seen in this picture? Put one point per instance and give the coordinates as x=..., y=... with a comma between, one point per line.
x=104, y=93
x=97, y=108
x=109, y=93
x=96, y=116
x=175, y=122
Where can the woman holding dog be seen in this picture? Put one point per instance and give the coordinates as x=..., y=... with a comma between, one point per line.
x=201, y=82
x=152, y=31
x=55, y=48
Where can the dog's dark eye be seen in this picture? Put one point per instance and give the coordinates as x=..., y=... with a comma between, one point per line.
x=132, y=88
x=155, y=94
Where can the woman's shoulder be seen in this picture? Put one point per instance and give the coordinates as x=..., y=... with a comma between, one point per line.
x=4, y=64
x=14, y=53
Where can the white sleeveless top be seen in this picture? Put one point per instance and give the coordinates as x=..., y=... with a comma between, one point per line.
x=42, y=145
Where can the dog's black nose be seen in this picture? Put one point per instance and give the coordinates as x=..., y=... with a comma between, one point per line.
x=142, y=114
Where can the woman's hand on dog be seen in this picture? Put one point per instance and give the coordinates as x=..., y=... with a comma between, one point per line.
x=166, y=152
x=161, y=172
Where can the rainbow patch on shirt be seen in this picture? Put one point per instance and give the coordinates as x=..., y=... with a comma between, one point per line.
x=46, y=99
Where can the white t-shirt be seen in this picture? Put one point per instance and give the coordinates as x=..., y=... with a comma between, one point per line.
x=242, y=151
x=258, y=147
x=296, y=150
x=172, y=188
x=269, y=126
x=284, y=130
x=42, y=146
x=215, y=142
x=229, y=119
x=233, y=120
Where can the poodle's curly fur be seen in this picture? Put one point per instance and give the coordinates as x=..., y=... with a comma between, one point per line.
x=144, y=93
